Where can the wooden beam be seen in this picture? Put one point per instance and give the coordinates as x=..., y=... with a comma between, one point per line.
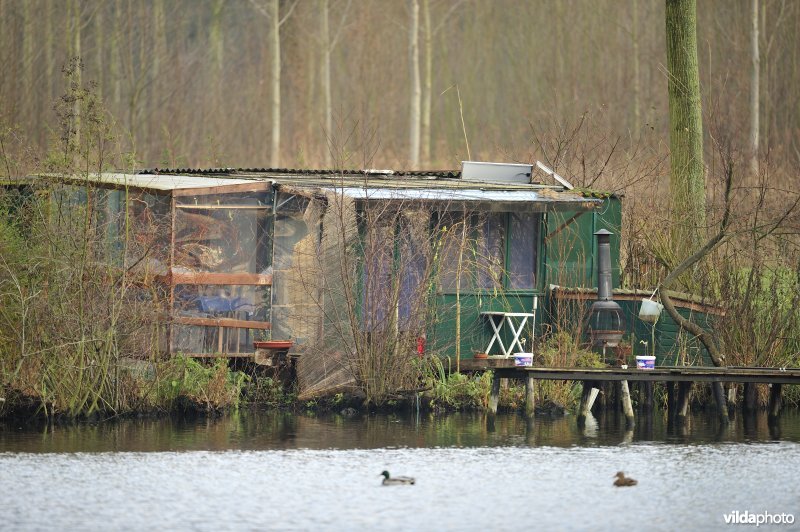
x=210, y=278
x=222, y=322
x=255, y=186
x=225, y=207
x=561, y=227
x=665, y=374
x=218, y=355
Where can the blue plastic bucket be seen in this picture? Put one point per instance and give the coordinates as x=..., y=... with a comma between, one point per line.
x=645, y=362
x=523, y=359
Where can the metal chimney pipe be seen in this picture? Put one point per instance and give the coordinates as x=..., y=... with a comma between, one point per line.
x=604, y=285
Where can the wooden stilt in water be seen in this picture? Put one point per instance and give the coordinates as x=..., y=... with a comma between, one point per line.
x=593, y=396
x=750, y=402
x=583, y=407
x=732, y=392
x=682, y=404
x=671, y=400
x=494, y=396
x=627, y=406
x=722, y=403
x=647, y=400
x=530, y=396
x=775, y=401
x=617, y=403
x=602, y=402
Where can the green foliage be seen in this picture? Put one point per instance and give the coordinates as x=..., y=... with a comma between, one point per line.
x=564, y=350
x=761, y=325
x=212, y=387
x=265, y=391
x=456, y=391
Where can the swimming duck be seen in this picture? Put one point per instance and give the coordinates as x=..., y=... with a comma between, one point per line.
x=623, y=481
x=396, y=481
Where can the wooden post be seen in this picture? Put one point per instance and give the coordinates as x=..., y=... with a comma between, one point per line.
x=592, y=396
x=494, y=397
x=647, y=402
x=530, y=396
x=627, y=406
x=732, y=392
x=682, y=406
x=750, y=402
x=671, y=399
x=722, y=404
x=775, y=401
x=602, y=404
x=583, y=407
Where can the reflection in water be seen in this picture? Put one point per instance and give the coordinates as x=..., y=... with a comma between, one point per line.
x=264, y=471
x=248, y=430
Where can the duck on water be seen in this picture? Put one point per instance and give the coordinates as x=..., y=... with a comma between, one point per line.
x=623, y=481
x=395, y=481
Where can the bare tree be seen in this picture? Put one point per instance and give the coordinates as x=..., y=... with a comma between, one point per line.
x=415, y=107
x=755, y=76
x=272, y=12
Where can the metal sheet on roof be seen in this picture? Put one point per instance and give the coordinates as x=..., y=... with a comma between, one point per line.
x=165, y=182
x=520, y=197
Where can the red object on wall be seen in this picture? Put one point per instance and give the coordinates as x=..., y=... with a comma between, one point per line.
x=420, y=345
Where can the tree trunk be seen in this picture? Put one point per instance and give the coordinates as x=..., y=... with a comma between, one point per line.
x=427, y=84
x=687, y=178
x=27, y=65
x=326, y=79
x=99, y=48
x=416, y=90
x=275, y=149
x=216, y=37
x=637, y=113
x=754, y=92
x=75, y=52
x=115, y=58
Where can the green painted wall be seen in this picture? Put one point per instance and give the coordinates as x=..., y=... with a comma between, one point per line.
x=475, y=330
x=673, y=346
x=566, y=258
x=570, y=244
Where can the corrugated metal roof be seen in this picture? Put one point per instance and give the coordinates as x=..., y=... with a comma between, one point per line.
x=161, y=182
x=439, y=186
x=461, y=195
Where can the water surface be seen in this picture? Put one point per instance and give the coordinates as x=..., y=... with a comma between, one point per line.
x=255, y=471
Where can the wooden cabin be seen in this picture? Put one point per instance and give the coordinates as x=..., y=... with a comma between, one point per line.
x=455, y=263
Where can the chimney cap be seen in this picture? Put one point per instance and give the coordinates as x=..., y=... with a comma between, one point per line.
x=603, y=232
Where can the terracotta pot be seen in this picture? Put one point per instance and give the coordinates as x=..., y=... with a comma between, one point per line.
x=273, y=344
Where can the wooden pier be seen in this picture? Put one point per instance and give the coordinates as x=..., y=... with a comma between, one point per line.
x=678, y=402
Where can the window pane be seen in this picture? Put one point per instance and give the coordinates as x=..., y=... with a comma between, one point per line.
x=523, y=260
x=241, y=302
x=223, y=233
x=412, y=269
x=453, y=247
x=491, y=250
x=377, y=290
